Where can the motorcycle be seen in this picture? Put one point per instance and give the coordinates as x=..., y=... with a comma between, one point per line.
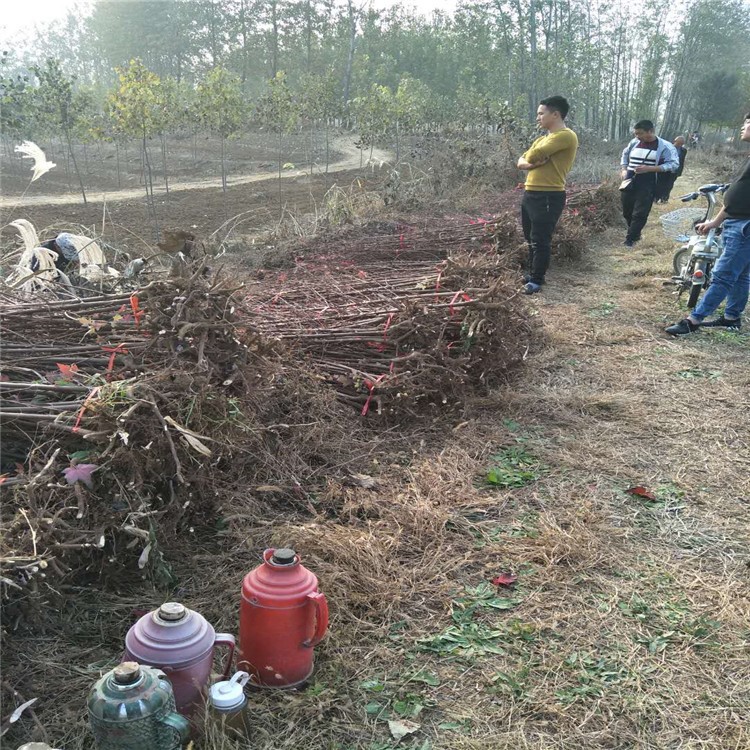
x=694, y=261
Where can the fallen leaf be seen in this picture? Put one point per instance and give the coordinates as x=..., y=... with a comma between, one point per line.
x=362, y=480
x=196, y=445
x=401, y=727
x=16, y=715
x=639, y=491
x=91, y=324
x=505, y=579
x=193, y=439
x=143, y=559
x=81, y=473
x=67, y=371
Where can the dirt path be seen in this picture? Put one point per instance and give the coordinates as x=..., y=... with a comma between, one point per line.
x=352, y=160
x=639, y=611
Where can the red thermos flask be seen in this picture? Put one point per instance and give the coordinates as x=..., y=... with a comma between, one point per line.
x=282, y=617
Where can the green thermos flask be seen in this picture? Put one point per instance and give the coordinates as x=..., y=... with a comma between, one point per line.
x=132, y=708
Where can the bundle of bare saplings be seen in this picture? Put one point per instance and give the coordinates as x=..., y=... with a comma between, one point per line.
x=393, y=336
x=589, y=209
x=125, y=415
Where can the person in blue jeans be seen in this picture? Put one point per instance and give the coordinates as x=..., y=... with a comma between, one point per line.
x=731, y=277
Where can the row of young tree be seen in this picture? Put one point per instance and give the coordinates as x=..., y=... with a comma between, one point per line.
x=220, y=67
x=616, y=64
x=144, y=107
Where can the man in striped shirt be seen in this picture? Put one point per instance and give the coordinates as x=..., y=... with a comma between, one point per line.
x=642, y=160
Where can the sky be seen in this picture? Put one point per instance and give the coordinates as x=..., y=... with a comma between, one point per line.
x=16, y=16
x=28, y=13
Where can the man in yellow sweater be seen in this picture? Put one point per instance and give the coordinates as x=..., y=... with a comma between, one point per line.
x=548, y=162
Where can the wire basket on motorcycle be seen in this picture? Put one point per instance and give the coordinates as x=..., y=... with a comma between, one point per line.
x=680, y=224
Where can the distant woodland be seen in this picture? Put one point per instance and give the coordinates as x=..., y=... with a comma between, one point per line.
x=135, y=69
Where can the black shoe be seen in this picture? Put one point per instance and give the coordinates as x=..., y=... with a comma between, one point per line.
x=722, y=322
x=683, y=328
x=629, y=243
x=527, y=279
x=531, y=288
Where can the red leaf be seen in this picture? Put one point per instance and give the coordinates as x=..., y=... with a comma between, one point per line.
x=81, y=473
x=505, y=579
x=639, y=491
x=67, y=371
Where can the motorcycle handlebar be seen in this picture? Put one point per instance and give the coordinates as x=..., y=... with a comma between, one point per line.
x=705, y=191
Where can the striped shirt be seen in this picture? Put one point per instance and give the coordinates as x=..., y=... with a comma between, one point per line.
x=643, y=155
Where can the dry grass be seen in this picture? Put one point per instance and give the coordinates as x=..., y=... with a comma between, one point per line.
x=627, y=627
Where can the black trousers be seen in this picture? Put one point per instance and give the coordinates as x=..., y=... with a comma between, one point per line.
x=664, y=184
x=540, y=212
x=636, y=206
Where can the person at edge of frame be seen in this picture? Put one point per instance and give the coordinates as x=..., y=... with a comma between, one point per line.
x=547, y=161
x=642, y=160
x=665, y=180
x=730, y=279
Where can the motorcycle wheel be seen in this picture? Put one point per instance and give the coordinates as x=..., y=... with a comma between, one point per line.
x=680, y=260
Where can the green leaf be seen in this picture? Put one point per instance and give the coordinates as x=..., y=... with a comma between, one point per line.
x=374, y=686
x=426, y=678
x=453, y=725
x=373, y=708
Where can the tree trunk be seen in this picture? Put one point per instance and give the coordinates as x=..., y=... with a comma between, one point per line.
x=75, y=164
x=164, y=163
x=312, y=147
x=244, y=35
x=280, y=154
x=149, y=183
x=350, y=55
x=223, y=166
x=274, y=39
x=328, y=152
x=66, y=156
x=308, y=35
x=533, y=100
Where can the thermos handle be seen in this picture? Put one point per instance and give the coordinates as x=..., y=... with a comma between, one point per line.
x=320, y=610
x=226, y=639
x=179, y=723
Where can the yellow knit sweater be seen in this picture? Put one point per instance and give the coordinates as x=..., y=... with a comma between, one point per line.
x=560, y=148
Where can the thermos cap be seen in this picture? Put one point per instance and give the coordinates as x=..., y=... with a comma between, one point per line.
x=127, y=672
x=172, y=611
x=229, y=693
x=284, y=556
